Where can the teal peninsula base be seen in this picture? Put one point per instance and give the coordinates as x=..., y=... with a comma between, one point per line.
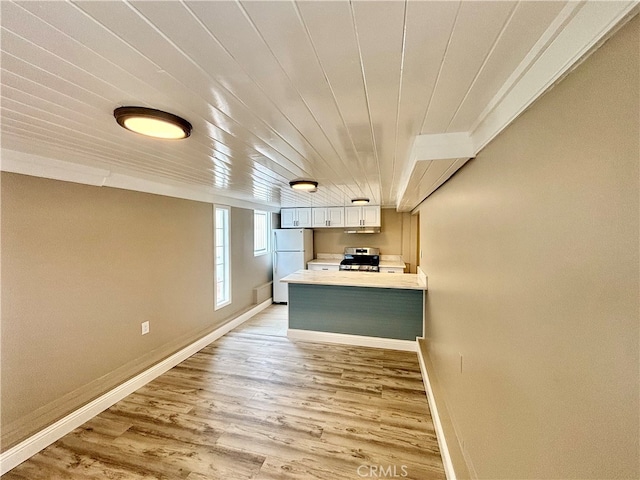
x=393, y=313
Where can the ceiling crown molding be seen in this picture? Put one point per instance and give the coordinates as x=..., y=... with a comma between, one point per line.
x=578, y=30
x=434, y=158
x=37, y=166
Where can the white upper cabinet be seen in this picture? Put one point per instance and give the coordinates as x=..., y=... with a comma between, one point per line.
x=287, y=217
x=353, y=216
x=304, y=217
x=371, y=216
x=330, y=217
x=327, y=217
x=318, y=217
x=368, y=216
x=335, y=216
x=295, y=218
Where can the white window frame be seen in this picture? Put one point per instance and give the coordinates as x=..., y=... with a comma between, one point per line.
x=267, y=233
x=225, y=263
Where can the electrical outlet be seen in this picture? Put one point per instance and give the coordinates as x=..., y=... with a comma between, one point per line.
x=145, y=328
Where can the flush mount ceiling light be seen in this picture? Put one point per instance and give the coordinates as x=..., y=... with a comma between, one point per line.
x=360, y=201
x=152, y=123
x=304, y=185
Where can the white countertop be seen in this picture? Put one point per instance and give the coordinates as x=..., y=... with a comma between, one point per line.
x=386, y=261
x=327, y=259
x=409, y=281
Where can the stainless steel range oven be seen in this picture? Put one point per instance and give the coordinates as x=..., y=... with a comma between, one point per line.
x=361, y=259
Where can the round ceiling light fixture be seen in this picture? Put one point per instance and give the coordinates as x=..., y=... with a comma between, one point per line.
x=152, y=123
x=304, y=185
x=360, y=201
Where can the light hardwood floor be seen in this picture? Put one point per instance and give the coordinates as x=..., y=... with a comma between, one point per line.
x=255, y=404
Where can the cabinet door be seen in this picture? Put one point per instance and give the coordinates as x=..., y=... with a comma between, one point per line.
x=371, y=216
x=304, y=217
x=352, y=216
x=335, y=216
x=319, y=217
x=287, y=218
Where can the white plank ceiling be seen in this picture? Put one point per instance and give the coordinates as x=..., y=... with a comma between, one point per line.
x=337, y=91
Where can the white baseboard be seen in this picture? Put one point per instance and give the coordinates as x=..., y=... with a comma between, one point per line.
x=442, y=442
x=32, y=445
x=344, y=339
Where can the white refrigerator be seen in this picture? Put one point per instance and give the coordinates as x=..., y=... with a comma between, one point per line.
x=292, y=249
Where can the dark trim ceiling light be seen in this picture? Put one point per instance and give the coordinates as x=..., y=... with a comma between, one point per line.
x=360, y=201
x=304, y=185
x=152, y=123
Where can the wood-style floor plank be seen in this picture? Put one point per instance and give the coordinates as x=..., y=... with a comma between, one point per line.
x=257, y=405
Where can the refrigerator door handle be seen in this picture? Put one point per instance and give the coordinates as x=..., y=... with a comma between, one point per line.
x=275, y=241
x=275, y=263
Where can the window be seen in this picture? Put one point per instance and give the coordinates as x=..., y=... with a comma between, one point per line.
x=261, y=229
x=222, y=275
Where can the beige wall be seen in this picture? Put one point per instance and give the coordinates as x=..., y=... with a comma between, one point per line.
x=397, y=236
x=82, y=267
x=531, y=251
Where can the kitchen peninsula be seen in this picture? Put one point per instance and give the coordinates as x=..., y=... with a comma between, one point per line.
x=361, y=304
